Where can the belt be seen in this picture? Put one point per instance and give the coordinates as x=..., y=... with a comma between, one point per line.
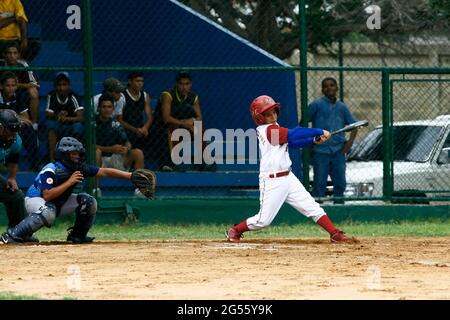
x=279, y=174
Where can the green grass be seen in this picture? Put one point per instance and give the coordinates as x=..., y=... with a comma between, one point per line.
x=429, y=228
x=12, y=296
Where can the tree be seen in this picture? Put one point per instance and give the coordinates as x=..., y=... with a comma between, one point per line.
x=269, y=24
x=273, y=24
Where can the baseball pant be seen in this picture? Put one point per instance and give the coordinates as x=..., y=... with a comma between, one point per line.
x=33, y=204
x=276, y=191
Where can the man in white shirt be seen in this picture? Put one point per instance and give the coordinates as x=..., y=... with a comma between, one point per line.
x=115, y=88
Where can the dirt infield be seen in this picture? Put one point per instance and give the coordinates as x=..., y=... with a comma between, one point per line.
x=374, y=268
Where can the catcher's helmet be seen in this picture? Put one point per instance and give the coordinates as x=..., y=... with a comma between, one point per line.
x=63, y=149
x=260, y=105
x=10, y=121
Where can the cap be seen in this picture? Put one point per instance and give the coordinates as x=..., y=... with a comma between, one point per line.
x=113, y=85
x=61, y=76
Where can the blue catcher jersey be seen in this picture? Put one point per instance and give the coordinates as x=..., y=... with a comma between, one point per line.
x=53, y=175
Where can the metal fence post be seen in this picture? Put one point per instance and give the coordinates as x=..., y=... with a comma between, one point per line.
x=341, y=72
x=388, y=170
x=304, y=86
x=88, y=84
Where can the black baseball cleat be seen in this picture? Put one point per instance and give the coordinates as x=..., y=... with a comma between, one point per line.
x=78, y=240
x=6, y=239
x=31, y=239
x=27, y=238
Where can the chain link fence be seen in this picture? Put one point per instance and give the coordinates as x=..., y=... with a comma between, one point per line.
x=421, y=141
x=227, y=53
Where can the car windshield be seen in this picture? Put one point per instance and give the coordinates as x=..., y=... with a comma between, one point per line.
x=411, y=143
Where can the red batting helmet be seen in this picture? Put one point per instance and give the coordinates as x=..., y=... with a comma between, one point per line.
x=260, y=105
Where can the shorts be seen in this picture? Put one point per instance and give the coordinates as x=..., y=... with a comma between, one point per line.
x=62, y=130
x=116, y=161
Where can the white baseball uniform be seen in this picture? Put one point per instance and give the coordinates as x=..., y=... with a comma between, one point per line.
x=277, y=184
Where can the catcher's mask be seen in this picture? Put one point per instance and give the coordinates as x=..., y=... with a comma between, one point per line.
x=9, y=125
x=260, y=105
x=63, y=149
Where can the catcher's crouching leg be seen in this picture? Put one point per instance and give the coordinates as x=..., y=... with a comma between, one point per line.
x=85, y=216
x=45, y=216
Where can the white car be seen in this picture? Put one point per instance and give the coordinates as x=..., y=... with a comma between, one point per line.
x=421, y=155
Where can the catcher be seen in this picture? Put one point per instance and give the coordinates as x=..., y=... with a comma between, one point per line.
x=52, y=193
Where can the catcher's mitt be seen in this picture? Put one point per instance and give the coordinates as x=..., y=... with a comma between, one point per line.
x=145, y=181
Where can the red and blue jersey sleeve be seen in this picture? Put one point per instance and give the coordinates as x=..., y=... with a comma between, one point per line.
x=277, y=135
x=297, y=137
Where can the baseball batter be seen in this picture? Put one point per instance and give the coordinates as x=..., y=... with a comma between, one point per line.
x=277, y=183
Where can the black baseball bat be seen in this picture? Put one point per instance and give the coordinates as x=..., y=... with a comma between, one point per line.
x=352, y=126
x=349, y=127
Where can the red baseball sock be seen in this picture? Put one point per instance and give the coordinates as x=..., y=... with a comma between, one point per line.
x=241, y=227
x=326, y=223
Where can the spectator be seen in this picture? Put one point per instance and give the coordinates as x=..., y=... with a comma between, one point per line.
x=14, y=28
x=178, y=107
x=329, y=158
x=136, y=116
x=64, y=113
x=113, y=87
x=113, y=150
x=10, y=100
x=27, y=83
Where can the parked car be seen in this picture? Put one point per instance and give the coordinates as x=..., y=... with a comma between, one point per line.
x=421, y=155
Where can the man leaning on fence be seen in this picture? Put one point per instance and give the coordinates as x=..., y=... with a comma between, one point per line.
x=329, y=158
